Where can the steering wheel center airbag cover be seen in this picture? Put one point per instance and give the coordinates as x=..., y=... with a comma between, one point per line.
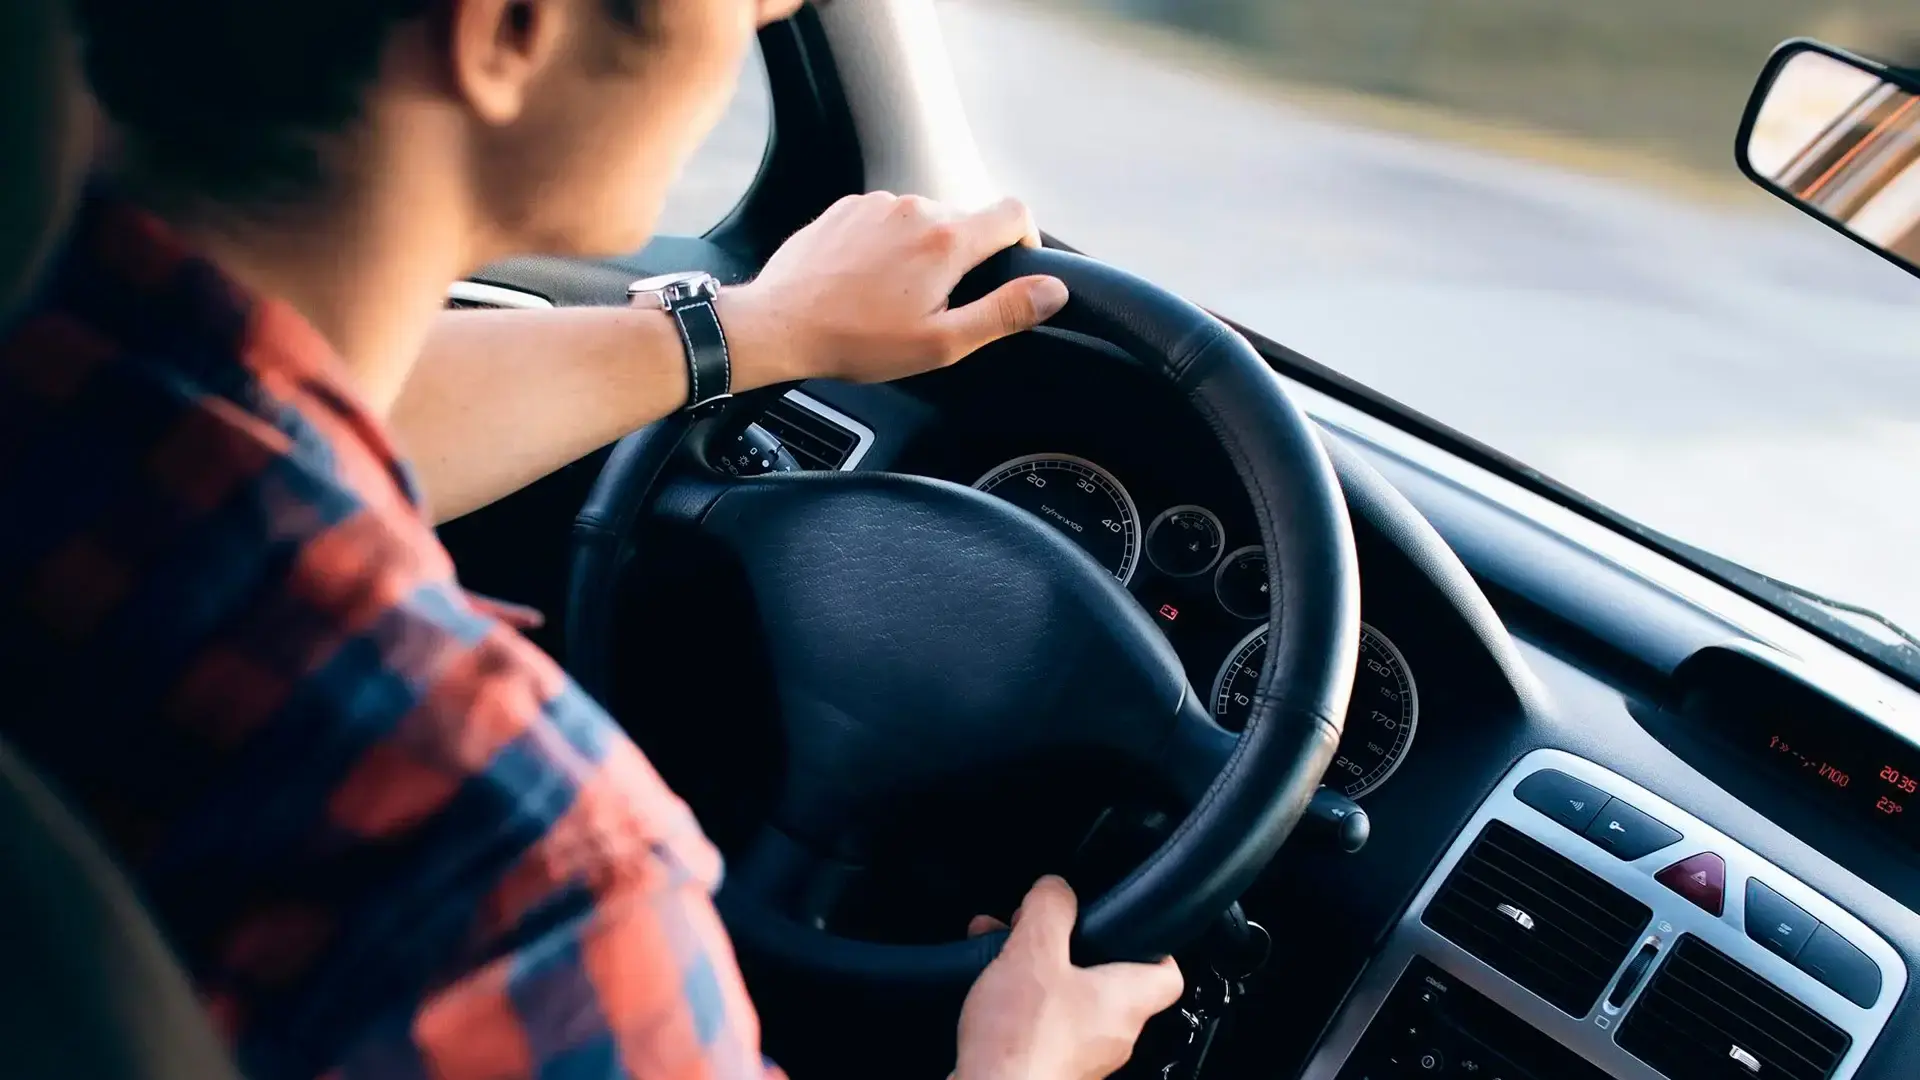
x=920, y=631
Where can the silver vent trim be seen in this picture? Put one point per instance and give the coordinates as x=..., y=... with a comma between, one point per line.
x=862, y=434
x=1591, y=1036
x=494, y=296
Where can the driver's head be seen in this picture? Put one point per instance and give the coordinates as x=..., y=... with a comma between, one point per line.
x=538, y=125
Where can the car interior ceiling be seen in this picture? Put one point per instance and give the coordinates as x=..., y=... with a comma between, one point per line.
x=1620, y=820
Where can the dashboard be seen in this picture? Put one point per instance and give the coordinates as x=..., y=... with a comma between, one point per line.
x=1147, y=497
x=1498, y=648
x=1433, y=912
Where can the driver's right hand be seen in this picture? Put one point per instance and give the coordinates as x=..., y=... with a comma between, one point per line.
x=1033, y=1015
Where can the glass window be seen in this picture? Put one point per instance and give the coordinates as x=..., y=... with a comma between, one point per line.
x=724, y=168
x=1521, y=217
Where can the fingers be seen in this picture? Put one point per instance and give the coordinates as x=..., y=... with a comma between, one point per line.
x=1142, y=989
x=1045, y=920
x=996, y=228
x=981, y=925
x=1021, y=304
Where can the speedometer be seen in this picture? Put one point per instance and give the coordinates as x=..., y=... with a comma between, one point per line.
x=1077, y=497
x=1381, y=716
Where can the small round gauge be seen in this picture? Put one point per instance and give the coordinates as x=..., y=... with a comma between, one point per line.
x=1185, y=541
x=1077, y=497
x=1241, y=583
x=1381, y=716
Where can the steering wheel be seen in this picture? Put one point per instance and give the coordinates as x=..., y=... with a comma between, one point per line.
x=920, y=631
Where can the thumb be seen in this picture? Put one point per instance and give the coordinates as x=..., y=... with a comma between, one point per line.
x=1018, y=305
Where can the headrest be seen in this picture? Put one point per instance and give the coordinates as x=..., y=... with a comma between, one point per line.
x=45, y=122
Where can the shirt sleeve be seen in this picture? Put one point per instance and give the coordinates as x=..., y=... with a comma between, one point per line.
x=431, y=855
x=602, y=957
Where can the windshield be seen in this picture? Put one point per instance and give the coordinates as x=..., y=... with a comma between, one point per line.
x=1520, y=217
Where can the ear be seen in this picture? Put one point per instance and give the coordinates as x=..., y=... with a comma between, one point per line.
x=497, y=48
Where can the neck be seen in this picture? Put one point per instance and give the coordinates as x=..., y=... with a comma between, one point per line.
x=369, y=268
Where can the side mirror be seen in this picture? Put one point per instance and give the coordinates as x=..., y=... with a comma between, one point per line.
x=1838, y=136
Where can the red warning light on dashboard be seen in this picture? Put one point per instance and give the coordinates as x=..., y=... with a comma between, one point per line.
x=1169, y=612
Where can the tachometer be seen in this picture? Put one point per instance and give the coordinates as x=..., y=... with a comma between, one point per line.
x=1077, y=497
x=1381, y=716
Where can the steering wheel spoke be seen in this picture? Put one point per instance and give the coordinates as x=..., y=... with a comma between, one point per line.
x=1195, y=753
x=918, y=634
x=790, y=878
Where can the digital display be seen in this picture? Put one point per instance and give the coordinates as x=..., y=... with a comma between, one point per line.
x=1858, y=769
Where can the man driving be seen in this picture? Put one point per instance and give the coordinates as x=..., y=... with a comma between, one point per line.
x=387, y=835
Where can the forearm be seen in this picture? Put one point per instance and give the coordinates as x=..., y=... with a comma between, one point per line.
x=502, y=398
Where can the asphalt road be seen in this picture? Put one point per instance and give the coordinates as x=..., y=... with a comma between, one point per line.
x=1737, y=377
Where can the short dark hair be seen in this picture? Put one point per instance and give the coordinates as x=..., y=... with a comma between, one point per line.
x=229, y=101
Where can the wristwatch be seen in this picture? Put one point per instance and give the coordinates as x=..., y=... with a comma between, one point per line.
x=688, y=297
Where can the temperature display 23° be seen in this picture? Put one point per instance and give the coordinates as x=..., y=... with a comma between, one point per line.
x=1856, y=769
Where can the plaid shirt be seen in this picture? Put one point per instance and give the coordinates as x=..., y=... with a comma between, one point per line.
x=387, y=835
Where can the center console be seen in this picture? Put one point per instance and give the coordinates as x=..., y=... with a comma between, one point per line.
x=1582, y=928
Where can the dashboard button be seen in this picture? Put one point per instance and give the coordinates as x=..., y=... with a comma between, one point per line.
x=1775, y=921
x=1701, y=878
x=1846, y=970
x=1628, y=833
x=1568, y=801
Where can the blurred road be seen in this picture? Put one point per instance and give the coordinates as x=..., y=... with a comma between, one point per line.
x=1739, y=378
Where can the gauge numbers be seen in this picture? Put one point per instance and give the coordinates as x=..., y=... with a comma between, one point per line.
x=1381, y=716
x=1241, y=583
x=1185, y=541
x=1077, y=497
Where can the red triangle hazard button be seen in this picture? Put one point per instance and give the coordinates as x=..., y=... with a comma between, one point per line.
x=1700, y=878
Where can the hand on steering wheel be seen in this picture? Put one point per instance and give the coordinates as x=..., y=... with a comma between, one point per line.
x=920, y=632
x=1033, y=1013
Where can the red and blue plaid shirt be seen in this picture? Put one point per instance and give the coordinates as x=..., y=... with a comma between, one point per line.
x=387, y=835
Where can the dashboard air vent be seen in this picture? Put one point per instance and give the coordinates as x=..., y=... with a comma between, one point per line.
x=1704, y=1016
x=819, y=438
x=1537, y=917
x=474, y=295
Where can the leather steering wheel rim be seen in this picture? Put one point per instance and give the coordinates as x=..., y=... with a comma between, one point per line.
x=1266, y=777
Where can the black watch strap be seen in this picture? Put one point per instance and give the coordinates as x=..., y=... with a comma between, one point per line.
x=709, y=368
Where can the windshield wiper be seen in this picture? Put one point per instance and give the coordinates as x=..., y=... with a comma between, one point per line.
x=1862, y=628
x=1897, y=635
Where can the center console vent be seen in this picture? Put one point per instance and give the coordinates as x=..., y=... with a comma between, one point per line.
x=1537, y=917
x=1704, y=1016
x=819, y=438
x=479, y=296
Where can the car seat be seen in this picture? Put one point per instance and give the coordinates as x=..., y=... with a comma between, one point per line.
x=88, y=989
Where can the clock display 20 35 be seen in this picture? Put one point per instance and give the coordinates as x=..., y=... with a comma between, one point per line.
x=1858, y=769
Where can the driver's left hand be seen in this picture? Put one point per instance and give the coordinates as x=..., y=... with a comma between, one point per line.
x=861, y=293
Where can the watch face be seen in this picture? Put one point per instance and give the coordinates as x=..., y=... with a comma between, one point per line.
x=666, y=284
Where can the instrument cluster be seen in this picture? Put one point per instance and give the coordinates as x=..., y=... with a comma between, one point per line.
x=1209, y=591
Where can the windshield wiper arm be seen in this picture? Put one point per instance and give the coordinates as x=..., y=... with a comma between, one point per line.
x=1855, y=610
x=1887, y=639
